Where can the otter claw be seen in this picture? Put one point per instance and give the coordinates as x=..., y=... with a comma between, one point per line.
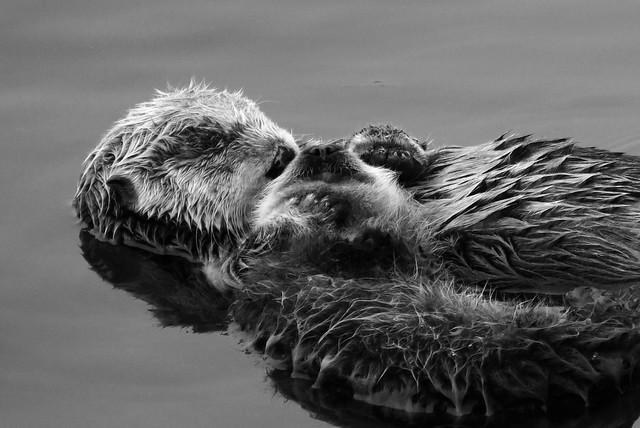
x=409, y=166
x=391, y=148
x=324, y=206
x=337, y=211
x=377, y=157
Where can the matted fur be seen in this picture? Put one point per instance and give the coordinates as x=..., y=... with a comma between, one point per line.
x=426, y=346
x=411, y=335
x=404, y=342
x=180, y=173
x=332, y=291
x=525, y=214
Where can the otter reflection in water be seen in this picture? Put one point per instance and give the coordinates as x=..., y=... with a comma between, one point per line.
x=180, y=296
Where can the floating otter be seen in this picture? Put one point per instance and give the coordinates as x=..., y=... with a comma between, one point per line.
x=392, y=148
x=180, y=173
x=389, y=332
x=520, y=214
x=179, y=295
x=335, y=286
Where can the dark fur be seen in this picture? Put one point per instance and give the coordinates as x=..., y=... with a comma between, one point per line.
x=415, y=338
x=359, y=284
x=385, y=328
x=521, y=214
x=425, y=346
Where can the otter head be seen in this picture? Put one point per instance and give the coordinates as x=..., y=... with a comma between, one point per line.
x=331, y=210
x=180, y=173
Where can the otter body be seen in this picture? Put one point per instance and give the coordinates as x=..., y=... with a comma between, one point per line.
x=351, y=263
x=527, y=215
x=322, y=301
x=422, y=345
x=180, y=173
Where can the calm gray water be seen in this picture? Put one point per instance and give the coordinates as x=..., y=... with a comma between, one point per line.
x=76, y=353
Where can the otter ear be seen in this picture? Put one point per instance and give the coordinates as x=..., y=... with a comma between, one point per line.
x=124, y=192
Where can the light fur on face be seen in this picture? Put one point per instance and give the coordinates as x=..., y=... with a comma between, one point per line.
x=180, y=173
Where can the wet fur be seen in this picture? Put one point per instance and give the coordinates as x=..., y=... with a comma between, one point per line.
x=521, y=214
x=180, y=173
x=426, y=346
x=402, y=342
x=404, y=331
x=353, y=281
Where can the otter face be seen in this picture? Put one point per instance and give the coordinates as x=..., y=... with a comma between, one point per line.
x=328, y=186
x=329, y=200
x=182, y=170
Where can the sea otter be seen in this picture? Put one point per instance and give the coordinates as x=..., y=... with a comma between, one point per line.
x=332, y=294
x=180, y=173
x=398, y=342
x=520, y=214
x=330, y=265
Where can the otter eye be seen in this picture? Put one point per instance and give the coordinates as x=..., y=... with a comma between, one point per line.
x=283, y=157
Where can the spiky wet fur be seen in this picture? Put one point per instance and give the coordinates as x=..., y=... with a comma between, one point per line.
x=188, y=165
x=415, y=338
x=410, y=334
x=525, y=214
x=427, y=346
x=409, y=343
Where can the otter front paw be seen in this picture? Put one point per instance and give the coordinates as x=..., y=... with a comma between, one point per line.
x=324, y=207
x=392, y=148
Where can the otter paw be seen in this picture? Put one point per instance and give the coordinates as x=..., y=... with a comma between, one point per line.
x=393, y=149
x=325, y=207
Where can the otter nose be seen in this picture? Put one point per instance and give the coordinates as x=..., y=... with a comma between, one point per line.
x=325, y=150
